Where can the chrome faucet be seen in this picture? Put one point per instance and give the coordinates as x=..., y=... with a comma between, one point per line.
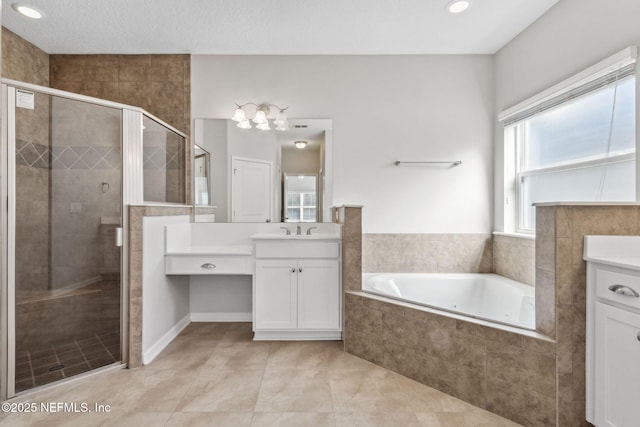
x=298, y=230
x=288, y=232
x=309, y=230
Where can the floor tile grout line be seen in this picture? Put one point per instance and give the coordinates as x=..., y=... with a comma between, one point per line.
x=55, y=353
x=105, y=347
x=82, y=353
x=33, y=376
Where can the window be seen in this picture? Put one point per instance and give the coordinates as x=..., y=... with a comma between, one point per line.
x=578, y=146
x=301, y=198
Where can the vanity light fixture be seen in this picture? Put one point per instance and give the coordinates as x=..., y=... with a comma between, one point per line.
x=27, y=10
x=458, y=6
x=300, y=144
x=261, y=117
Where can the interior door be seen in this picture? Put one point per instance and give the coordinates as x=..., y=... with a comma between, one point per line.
x=251, y=190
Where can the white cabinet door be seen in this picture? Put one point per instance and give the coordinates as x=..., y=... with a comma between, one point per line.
x=318, y=294
x=617, y=367
x=276, y=294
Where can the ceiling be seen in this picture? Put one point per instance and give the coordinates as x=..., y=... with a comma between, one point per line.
x=273, y=27
x=310, y=130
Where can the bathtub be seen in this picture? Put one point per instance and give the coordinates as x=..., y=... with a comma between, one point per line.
x=483, y=296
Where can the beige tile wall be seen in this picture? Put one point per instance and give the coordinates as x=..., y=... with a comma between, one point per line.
x=507, y=373
x=136, y=214
x=161, y=84
x=561, y=289
x=514, y=257
x=427, y=253
x=23, y=61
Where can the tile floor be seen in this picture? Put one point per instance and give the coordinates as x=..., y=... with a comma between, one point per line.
x=60, y=360
x=214, y=375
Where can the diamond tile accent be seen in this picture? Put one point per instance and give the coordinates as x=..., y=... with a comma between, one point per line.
x=91, y=158
x=32, y=154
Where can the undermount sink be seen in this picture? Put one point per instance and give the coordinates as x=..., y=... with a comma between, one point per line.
x=304, y=236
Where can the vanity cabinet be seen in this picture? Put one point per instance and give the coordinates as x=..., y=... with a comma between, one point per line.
x=613, y=331
x=297, y=298
x=617, y=367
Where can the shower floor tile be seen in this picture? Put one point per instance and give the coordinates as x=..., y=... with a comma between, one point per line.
x=65, y=359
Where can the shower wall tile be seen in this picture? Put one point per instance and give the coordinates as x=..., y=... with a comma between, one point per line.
x=427, y=253
x=133, y=68
x=514, y=257
x=23, y=61
x=157, y=83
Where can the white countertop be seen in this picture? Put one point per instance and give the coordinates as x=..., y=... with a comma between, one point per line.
x=617, y=251
x=631, y=262
x=237, y=250
x=283, y=236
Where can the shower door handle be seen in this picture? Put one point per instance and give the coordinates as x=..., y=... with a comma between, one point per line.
x=119, y=237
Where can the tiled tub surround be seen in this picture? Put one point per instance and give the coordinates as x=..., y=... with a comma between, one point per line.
x=509, y=372
x=514, y=257
x=427, y=253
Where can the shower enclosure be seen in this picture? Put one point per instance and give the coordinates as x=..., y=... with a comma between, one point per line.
x=65, y=183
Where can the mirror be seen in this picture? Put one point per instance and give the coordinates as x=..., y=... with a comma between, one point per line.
x=201, y=164
x=300, y=198
x=253, y=175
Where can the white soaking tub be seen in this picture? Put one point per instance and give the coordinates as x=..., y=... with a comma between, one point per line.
x=483, y=296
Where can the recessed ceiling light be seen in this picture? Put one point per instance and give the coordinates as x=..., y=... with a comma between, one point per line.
x=27, y=10
x=458, y=6
x=300, y=144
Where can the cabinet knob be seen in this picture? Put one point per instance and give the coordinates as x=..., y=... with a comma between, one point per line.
x=293, y=270
x=208, y=266
x=624, y=290
x=638, y=336
x=300, y=270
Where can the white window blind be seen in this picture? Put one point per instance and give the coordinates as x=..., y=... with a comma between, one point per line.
x=575, y=141
x=604, y=73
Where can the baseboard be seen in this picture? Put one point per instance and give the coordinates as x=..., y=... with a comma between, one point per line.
x=221, y=317
x=165, y=340
x=297, y=335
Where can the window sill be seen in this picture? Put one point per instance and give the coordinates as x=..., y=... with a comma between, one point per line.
x=516, y=235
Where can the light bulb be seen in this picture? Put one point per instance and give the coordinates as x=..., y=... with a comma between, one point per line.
x=264, y=125
x=260, y=117
x=300, y=144
x=244, y=124
x=281, y=118
x=458, y=6
x=27, y=10
x=283, y=126
x=239, y=115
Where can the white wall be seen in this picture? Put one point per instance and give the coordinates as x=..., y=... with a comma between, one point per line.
x=301, y=161
x=569, y=38
x=221, y=298
x=384, y=108
x=165, y=306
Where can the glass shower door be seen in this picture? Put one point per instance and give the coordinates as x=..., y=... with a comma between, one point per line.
x=67, y=210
